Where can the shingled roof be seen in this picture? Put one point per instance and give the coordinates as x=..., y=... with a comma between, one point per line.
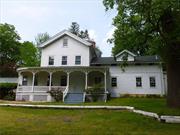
x=138, y=60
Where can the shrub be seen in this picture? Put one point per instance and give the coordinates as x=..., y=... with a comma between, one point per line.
x=56, y=94
x=95, y=91
x=7, y=91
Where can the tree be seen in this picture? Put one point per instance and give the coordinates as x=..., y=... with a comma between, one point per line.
x=9, y=44
x=9, y=50
x=150, y=27
x=74, y=28
x=84, y=34
x=29, y=55
x=39, y=39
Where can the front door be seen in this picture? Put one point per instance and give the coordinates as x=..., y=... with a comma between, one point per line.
x=77, y=82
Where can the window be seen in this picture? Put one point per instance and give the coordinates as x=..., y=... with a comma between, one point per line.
x=97, y=80
x=63, y=80
x=64, y=60
x=78, y=60
x=152, y=81
x=65, y=42
x=113, y=81
x=24, y=81
x=138, y=82
x=51, y=60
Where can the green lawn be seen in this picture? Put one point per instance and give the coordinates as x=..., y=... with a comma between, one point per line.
x=157, y=105
x=28, y=121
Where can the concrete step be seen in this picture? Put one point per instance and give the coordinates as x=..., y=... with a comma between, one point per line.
x=74, y=98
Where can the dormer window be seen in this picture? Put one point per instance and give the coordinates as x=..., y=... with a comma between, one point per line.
x=125, y=57
x=51, y=60
x=65, y=42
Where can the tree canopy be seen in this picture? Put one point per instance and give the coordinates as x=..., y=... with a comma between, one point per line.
x=139, y=25
x=28, y=54
x=9, y=44
x=75, y=29
x=41, y=38
x=150, y=27
x=13, y=53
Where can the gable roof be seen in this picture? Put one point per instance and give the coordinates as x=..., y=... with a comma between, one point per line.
x=124, y=52
x=138, y=60
x=61, y=34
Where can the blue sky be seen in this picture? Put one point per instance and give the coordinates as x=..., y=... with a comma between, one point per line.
x=31, y=17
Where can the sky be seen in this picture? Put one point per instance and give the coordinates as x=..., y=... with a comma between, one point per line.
x=31, y=17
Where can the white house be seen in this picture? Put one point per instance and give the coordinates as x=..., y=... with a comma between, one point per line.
x=72, y=65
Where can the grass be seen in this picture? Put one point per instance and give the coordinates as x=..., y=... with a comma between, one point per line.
x=157, y=105
x=28, y=121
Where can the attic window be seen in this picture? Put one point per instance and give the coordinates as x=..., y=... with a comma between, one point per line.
x=65, y=42
x=125, y=57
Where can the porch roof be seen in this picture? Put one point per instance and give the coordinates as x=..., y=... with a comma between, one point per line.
x=64, y=68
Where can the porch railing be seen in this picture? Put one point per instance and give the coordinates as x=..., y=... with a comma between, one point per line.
x=41, y=88
x=65, y=93
x=24, y=89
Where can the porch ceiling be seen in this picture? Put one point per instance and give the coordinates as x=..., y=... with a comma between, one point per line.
x=64, y=69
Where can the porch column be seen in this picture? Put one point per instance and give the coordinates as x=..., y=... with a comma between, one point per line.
x=105, y=85
x=50, y=80
x=86, y=80
x=33, y=81
x=68, y=79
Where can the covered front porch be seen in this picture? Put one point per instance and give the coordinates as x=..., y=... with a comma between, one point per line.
x=34, y=83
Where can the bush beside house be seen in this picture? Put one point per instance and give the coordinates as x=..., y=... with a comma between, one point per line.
x=7, y=91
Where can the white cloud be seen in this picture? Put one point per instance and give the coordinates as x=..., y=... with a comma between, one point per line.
x=106, y=47
x=92, y=34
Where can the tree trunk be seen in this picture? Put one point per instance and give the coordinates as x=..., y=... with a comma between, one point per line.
x=171, y=29
x=173, y=75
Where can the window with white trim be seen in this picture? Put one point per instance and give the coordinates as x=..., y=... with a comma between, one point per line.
x=152, y=81
x=114, y=82
x=65, y=42
x=51, y=60
x=138, y=82
x=64, y=60
x=78, y=60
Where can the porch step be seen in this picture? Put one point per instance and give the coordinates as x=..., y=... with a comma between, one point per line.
x=73, y=98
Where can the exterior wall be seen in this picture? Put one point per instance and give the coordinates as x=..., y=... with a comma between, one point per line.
x=8, y=79
x=73, y=49
x=126, y=81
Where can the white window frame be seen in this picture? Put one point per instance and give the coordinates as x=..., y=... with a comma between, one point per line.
x=80, y=60
x=63, y=61
x=150, y=81
x=65, y=44
x=112, y=82
x=49, y=61
x=141, y=81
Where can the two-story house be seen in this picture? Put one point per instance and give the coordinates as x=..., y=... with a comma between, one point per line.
x=72, y=65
